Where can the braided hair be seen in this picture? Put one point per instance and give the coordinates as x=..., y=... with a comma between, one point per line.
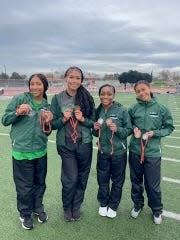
x=98, y=110
x=106, y=85
x=83, y=97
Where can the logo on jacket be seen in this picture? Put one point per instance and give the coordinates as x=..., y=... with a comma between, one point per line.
x=153, y=114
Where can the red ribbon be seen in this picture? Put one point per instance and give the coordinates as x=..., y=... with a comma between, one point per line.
x=111, y=141
x=46, y=127
x=143, y=146
x=74, y=123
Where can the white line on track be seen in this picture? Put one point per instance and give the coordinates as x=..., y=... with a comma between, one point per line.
x=173, y=137
x=4, y=134
x=171, y=215
x=172, y=180
x=171, y=159
x=171, y=146
x=51, y=141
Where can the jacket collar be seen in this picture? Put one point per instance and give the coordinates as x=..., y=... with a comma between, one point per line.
x=147, y=103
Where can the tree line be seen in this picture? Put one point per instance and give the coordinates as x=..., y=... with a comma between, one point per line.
x=14, y=75
x=132, y=77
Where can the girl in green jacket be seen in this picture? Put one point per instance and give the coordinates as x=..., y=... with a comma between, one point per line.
x=30, y=118
x=151, y=121
x=112, y=126
x=73, y=117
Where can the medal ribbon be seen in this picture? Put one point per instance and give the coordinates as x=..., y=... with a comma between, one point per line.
x=74, y=123
x=46, y=127
x=111, y=141
x=143, y=146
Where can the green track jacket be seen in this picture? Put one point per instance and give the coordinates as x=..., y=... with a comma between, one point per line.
x=120, y=117
x=59, y=125
x=26, y=134
x=150, y=116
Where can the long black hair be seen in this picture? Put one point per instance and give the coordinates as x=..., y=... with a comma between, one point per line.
x=83, y=97
x=44, y=81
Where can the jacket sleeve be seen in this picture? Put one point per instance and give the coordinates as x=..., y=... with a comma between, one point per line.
x=57, y=122
x=131, y=115
x=9, y=116
x=95, y=133
x=125, y=130
x=167, y=124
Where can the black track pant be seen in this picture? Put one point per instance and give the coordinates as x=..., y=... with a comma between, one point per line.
x=29, y=177
x=147, y=174
x=76, y=164
x=110, y=168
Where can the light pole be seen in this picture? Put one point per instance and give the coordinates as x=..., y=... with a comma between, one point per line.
x=5, y=75
x=5, y=69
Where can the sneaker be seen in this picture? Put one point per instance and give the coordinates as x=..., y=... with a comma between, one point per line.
x=42, y=216
x=157, y=218
x=111, y=213
x=27, y=222
x=102, y=211
x=68, y=216
x=135, y=212
x=76, y=215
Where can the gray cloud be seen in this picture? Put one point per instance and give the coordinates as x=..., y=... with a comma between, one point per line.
x=100, y=36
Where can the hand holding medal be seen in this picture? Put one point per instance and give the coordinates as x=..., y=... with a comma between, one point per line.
x=97, y=126
x=23, y=109
x=78, y=114
x=144, y=140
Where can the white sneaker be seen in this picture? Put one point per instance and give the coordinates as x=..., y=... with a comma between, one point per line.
x=103, y=211
x=111, y=213
x=135, y=213
x=157, y=219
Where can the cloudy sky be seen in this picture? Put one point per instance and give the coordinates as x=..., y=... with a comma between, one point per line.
x=102, y=36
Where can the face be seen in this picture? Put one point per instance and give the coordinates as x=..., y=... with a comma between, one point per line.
x=36, y=87
x=106, y=96
x=73, y=80
x=143, y=92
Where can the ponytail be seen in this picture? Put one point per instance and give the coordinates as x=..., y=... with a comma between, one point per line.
x=85, y=101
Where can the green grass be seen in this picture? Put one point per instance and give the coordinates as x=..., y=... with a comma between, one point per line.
x=160, y=84
x=91, y=225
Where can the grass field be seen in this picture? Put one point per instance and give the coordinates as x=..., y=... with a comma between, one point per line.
x=92, y=226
